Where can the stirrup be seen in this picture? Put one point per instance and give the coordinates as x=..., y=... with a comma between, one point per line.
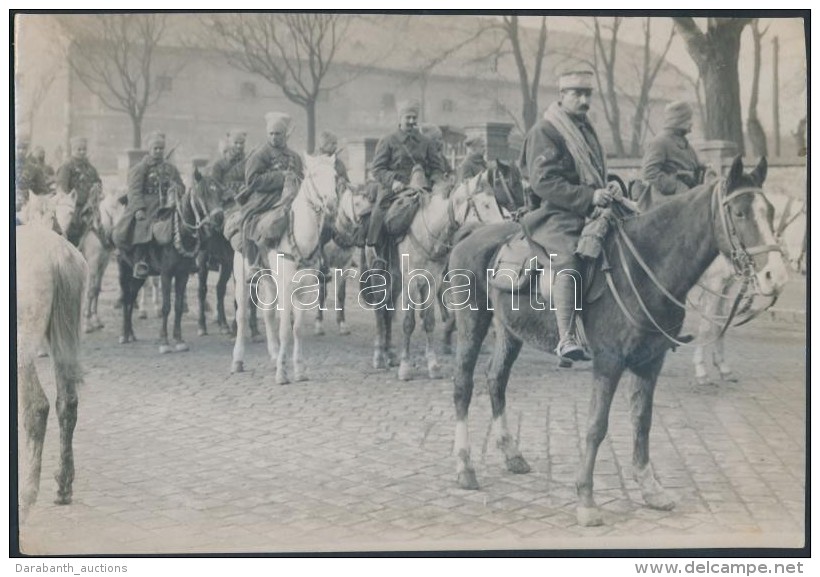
x=141, y=270
x=571, y=350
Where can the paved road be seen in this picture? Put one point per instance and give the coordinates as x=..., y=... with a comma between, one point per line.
x=176, y=455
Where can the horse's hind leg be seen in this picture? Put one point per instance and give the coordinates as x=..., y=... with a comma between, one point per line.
x=241, y=292
x=180, y=284
x=225, y=272
x=428, y=316
x=341, y=295
x=165, y=285
x=318, y=327
x=607, y=374
x=641, y=398
x=472, y=329
x=202, y=292
x=67, y=401
x=506, y=351
x=408, y=326
x=33, y=408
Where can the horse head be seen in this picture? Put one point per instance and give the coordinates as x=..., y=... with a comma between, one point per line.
x=746, y=228
x=475, y=200
x=508, y=187
x=204, y=202
x=354, y=205
x=65, y=207
x=320, y=182
x=418, y=180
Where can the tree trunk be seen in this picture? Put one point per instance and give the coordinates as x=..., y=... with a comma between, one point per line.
x=530, y=112
x=136, y=132
x=722, y=88
x=310, y=110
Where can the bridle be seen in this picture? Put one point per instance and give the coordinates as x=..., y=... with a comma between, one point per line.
x=318, y=204
x=740, y=256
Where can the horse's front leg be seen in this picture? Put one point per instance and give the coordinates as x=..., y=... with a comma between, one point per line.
x=607, y=373
x=129, y=289
x=408, y=326
x=428, y=317
x=278, y=346
x=33, y=410
x=641, y=401
x=225, y=272
x=67, y=375
x=299, y=368
x=318, y=324
x=180, y=285
x=165, y=285
x=202, y=291
x=341, y=294
x=242, y=295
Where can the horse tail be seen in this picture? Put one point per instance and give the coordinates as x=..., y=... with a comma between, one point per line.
x=63, y=330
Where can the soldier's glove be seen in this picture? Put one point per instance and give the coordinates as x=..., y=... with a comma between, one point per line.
x=398, y=186
x=602, y=197
x=140, y=214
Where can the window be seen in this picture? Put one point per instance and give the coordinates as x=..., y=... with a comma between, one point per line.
x=247, y=90
x=447, y=105
x=165, y=83
x=388, y=101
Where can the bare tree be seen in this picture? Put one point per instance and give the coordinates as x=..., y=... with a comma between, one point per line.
x=604, y=56
x=754, y=128
x=293, y=51
x=113, y=55
x=35, y=95
x=715, y=52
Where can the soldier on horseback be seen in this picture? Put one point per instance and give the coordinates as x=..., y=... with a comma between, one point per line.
x=79, y=176
x=265, y=175
x=152, y=185
x=229, y=171
x=328, y=146
x=566, y=166
x=30, y=181
x=474, y=163
x=396, y=155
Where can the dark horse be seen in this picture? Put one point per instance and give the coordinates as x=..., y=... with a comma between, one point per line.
x=655, y=259
x=191, y=219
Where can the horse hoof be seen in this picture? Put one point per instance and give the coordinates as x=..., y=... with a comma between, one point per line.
x=703, y=380
x=344, y=329
x=728, y=377
x=181, y=347
x=165, y=349
x=589, y=516
x=237, y=367
x=142, y=315
x=63, y=500
x=378, y=361
x=434, y=372
x=517, y=465
x=405, y=371
x=467, y=480
x=392, y=361
x=659, y=500
x=300, y=378
x=282, y=380
x=202, y=332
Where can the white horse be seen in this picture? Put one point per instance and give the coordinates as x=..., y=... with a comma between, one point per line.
x=426, y=247
x=714, y=297
x=292, y=273
x=51, y=275
x=51, y=211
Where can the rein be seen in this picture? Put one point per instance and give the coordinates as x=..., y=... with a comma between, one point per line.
x=740, y=256
x=317, y=206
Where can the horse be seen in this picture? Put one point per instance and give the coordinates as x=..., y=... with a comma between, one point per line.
x=346, y=234
x=191, y=221
x=96, y=246
x=215, y=249
x=654, y=260
x=292, y=263
x=423, y=253
x=717, y=290
x=54, y=211
x=51, y=276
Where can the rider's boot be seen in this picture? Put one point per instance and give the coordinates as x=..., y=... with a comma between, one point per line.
x=563, y=293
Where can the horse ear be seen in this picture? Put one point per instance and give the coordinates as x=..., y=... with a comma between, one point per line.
x=735, y=172
x=759, y=173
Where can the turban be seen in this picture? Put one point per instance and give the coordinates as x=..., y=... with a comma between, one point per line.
x=677, y=116
x=277, y=121
x=328, y=142
x=475, y=141
x=411, y=106
x=235, y=135
x=576, y=79
x=155, y=139
x=78, y=141
x=432, y=132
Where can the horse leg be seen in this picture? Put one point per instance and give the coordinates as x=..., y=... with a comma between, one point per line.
x=165, y=285
x=285, y=330
x=180, y=286
x=241, y=292
x=143, y=314
x=33, y=409
x=67, y=400
x=506, y=352
x=449, y=326
x=640, y=403
x=380, y=348
x=318, y=328
x=129, y=289
x=269, y=315
x=202, y=291
x=225, y=272
x=705, y=332
x=341, y=295
x=472, y=329
x=607, y=375
x=409, y=325
x=299, y=369
x=428, y=317
x=156, y=286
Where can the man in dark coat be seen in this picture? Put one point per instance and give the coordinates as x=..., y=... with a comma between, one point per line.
x=434, y=133
x=29, y=176
x=78, y=175
x=152, y=185
x=329, y=145
x=566, y=168
x=396, y=155
x=670, y=164
x=474, y=163
x=229, y=171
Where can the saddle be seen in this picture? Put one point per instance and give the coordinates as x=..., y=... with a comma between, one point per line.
x=403, y=209
x=264, y=230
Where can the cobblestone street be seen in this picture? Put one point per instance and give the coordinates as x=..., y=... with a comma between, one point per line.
x=176, y=455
